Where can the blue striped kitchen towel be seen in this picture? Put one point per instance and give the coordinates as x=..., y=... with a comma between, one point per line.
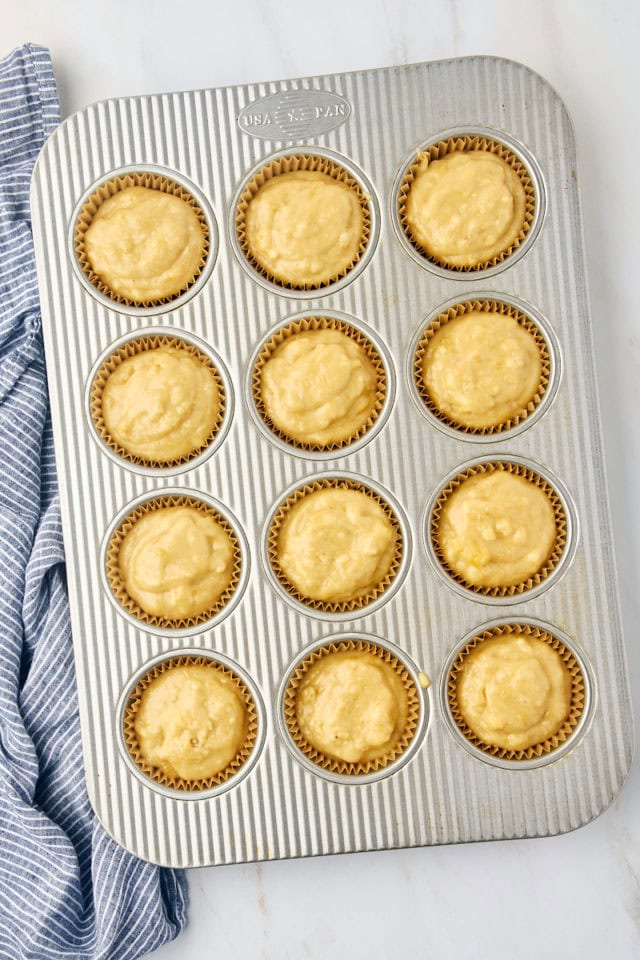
x=66, y=889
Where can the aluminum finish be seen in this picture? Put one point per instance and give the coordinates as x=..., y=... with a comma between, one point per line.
x=281, y=809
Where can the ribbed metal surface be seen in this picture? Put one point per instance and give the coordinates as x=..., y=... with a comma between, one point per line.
x=444, y=794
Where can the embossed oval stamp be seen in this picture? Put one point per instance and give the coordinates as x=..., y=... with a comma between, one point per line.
x=294, y=114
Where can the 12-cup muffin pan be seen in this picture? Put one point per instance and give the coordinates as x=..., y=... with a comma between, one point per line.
x=211, y=144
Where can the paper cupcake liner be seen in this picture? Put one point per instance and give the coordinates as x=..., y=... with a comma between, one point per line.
x=465, y=144
x=178, y=783
x=577, y=693
x=560, y=519
x=109, y=189
x=485, y=306
x=304, y=325
x=115, y=579
x=344, y=606
x=130, y=349
x=288, y=164
x=345, y=767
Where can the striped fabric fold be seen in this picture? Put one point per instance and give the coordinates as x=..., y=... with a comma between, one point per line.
x=66, y=888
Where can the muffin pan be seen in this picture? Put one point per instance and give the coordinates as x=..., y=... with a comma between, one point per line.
x=442, y=788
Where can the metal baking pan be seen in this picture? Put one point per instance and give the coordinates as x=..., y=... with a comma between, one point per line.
x=374, y=121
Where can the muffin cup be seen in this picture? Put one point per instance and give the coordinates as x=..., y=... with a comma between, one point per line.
x=108, y=188
x=579, y=692
x=117, y=588
x=132, y=347
x=158, y=776
x=463, y=142
x=346, y=608
x=287, y=163
x=414, y=726
x=485, y=305
x=304, y=324
x=560, y=552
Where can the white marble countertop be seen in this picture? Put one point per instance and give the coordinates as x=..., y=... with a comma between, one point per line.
x=576, y=896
